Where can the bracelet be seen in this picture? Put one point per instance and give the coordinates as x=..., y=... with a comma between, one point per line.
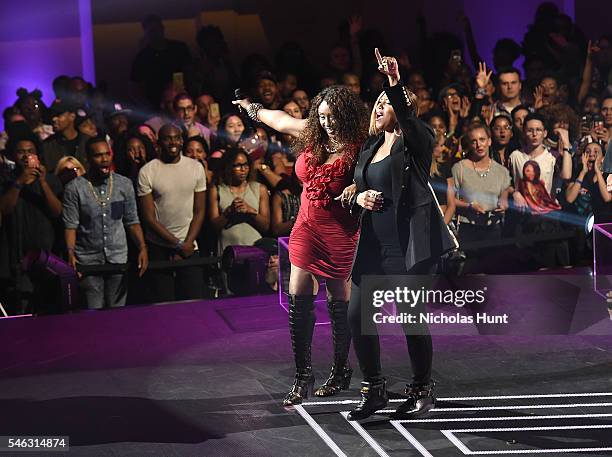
x=178, y=246
x=578, y=181
x=253, y=111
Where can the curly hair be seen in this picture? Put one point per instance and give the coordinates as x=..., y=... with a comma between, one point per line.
x=351, y=121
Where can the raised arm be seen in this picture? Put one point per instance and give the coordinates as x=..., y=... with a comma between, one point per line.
x=587, y=73
x=418, y=136
x=276, y=119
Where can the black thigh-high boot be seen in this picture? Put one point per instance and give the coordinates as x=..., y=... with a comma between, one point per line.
x=301, y=325
x=340, y=376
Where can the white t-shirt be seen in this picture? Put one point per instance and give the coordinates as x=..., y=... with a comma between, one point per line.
x=173, y=186
x=546, y=161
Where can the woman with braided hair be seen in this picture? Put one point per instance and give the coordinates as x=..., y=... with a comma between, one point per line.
x=323, y=239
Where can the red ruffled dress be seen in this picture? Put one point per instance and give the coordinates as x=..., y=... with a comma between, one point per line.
x=324, y=236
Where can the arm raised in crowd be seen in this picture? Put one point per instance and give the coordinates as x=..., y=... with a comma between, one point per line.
x=587, y=73
x=276, y=119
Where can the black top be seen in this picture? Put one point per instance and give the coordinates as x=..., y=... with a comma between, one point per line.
x=421, y=229
x=30, y=226
x=589, y=199
x=378, y=177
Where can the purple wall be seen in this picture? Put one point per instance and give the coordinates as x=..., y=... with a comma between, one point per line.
x=494, y=20
x=39, y=42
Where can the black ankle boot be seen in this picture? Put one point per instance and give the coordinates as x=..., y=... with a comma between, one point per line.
x=373, y=397
x=420, y=400
x=338, y=380
x=301, y=325
x=303, y=386
x=341, y=373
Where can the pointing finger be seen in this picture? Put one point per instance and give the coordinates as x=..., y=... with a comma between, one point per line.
x=378, y=56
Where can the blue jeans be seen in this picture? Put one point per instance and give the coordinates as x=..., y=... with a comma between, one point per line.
x=104, y=291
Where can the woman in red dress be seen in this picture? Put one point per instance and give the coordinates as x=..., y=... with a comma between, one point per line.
x=323, y=239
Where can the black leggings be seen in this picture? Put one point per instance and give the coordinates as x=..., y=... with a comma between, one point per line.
x=367, y=347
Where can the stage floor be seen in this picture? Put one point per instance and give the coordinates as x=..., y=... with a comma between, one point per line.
x=207, y=378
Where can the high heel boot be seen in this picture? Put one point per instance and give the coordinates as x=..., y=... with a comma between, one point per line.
x=301, y=325
x=373, y=397
x=341, y=373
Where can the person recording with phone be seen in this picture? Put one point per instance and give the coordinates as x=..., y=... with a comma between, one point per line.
x=30, y=209
x=402, y=232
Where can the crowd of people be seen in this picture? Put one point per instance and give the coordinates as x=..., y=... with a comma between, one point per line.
x=179, y=173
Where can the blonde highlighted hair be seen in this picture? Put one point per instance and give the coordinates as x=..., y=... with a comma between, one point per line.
x=64, y=160
x=413, y=105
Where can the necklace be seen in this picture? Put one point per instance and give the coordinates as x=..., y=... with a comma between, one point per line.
x=109, y=192
x=482, y=174
x=334, y=148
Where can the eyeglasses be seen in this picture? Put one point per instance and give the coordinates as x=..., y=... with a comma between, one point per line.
x=240, y=166
x=186, y=109
x=536, y=130
x=499, y=128
x=452, y=94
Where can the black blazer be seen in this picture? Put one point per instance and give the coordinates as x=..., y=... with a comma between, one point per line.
x=419, y=219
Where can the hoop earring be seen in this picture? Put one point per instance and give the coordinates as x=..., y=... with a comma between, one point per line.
x=395, y=132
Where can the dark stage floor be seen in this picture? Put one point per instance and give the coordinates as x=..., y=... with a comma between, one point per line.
x=207, y=378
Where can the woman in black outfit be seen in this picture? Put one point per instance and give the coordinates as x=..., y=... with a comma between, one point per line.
x=402, y=232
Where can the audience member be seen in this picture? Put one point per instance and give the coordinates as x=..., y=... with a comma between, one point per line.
x=171, y=191
x=32, y=108
x=239, y=208
x=285, y=206
x=68, y=168
x=483, y=187
x=186, y=112
x=67, y=140
x=30, y=209
x=301, y=98
x=534, y=149
x=98, y=208
x=159, y=61
x=441, y=179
